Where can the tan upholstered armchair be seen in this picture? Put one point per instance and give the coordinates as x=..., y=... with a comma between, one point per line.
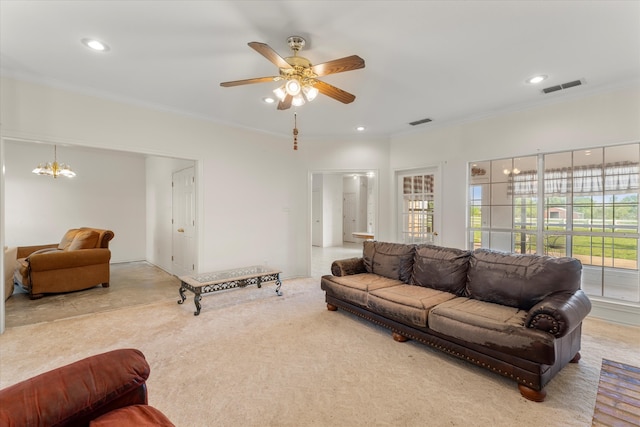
x=80, y=261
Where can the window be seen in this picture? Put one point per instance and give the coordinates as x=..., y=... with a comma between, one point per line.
x=582, y=204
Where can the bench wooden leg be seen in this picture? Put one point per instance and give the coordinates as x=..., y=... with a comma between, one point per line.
x=331, y=307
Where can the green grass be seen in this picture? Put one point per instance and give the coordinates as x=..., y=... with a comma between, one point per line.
x=608, y=247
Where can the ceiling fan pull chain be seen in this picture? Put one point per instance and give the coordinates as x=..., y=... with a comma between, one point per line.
x=295, y=131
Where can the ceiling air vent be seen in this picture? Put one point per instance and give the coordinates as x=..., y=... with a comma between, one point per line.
x=419, y=122
x=562, y=86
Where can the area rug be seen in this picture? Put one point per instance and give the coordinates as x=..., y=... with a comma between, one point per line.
x=618, y=398
x=252, y=358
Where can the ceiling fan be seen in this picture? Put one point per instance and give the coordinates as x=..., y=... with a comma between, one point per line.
x=300, y=78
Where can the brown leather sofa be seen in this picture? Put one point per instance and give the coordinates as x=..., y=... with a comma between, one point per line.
x=517, y=315
x=107, y=389
x=80, y=261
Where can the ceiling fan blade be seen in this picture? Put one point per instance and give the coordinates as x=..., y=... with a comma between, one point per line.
x=266, y=51
x=286, y=103
x=334, y=92
x=249, y=81
x=347, y=63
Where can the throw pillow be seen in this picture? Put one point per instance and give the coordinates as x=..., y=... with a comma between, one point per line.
x=67, y=239
x=84, y=240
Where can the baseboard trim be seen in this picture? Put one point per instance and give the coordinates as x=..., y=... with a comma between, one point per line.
x=617, y=312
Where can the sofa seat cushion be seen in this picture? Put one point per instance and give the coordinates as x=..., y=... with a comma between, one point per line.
x=495, y=326
x=354, y=288
x=406, y=304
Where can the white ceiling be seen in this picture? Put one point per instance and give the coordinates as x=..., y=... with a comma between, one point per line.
x=450, y=61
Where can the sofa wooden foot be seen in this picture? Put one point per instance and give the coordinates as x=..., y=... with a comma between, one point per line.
x=331, y=307
x=531, y=394
x=105, y=285
x=576, y=358
x=35, y=296
x=399, y=338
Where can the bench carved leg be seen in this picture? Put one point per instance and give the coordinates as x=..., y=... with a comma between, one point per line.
x=331, y=307
x=576, y=358
x=399, y=338
x=531, y=394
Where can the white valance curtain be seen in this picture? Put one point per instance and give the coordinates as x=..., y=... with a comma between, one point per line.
x=591, y=179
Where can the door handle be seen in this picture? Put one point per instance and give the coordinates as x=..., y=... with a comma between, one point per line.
x=435, y=233
x=180, y=230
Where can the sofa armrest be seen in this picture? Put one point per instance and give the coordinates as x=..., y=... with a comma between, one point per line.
x=560, y=313
x=77, y=393
x=25, y=251
x=347, y=267
x=57, y=260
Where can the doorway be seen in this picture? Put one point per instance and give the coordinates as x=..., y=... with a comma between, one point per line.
x=342, y=203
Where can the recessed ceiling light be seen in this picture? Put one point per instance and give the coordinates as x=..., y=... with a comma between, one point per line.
x=536, y=79
x=96, y=45
x=360, y=128
x=269, y=100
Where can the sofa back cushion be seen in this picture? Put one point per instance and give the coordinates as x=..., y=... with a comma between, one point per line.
x=520, y=280
x=392, y=260
x=443, y=269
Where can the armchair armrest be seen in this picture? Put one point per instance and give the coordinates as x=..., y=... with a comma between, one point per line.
x=77, y=393
x=347, y=267
x=68, y=259
x=560, y=313
x=25, y=251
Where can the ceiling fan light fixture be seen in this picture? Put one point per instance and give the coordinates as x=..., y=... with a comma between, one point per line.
x=309, y=92
x=292, y=87
x=297, y=100
x=280, y=93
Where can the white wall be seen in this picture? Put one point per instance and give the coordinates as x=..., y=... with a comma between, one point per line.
x=601, y=119
x=254, y=197
x=108, y=192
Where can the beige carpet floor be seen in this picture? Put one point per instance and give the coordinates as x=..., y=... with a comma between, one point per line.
x=255, y=359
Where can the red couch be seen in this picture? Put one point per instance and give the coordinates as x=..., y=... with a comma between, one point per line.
x=107, y=389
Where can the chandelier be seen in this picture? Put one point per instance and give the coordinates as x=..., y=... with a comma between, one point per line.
x=54, y=168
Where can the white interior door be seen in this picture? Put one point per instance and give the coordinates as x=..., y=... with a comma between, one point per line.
x=349, y=211
x=184, y=222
